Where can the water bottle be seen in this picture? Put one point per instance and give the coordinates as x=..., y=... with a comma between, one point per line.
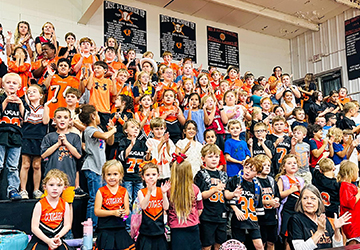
x=88, y=234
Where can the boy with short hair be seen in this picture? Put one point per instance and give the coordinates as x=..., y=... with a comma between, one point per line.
x=259, y=144
x=281, y=143
x=271, y=201
x=167, y=57
x=82, y=63
x=12, y=111
x=114, y=66
x=328, y=186
x=299, y=115
x=257, y=93
x=211, y=183
x=122, y=87
x=161, y=146
x=350, y=110
x=302, y=150
x=245, y=197
x=330, y=119
x=236, y=151
x=249, y=83
x=233, y=73
x=100, y=90
x=60, y=149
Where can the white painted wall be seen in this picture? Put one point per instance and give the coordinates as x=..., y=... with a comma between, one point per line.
x=329, y=41
x=258, y=53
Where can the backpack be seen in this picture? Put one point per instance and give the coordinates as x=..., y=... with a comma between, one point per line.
x=286, y=184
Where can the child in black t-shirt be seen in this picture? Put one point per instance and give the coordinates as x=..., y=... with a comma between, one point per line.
x=270, y=200
x=329, y=188
x=259, y=144
x=211, y=183
x=245, y=194
x=350, y=110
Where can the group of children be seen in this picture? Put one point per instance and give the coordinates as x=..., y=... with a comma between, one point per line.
x=193, y=150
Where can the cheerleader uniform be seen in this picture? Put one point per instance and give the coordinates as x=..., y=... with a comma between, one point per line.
x=51, y=223
x=112, y=233
x=152, y=229
x=172, y=123
x=145, y=133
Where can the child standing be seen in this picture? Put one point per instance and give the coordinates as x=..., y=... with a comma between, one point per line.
x=51, y=218
x=187, y=90
x=340, y=152
x=34, y=129
x=302, y=151
x=95, y=140
x=211, y=183
x=112, y=206
x=12, y=110
x=299, y=115
x=349, y=200
x=259, y=144
x=203, y=85
x=288, y=106
x=153, y=201
x=144, y=116
x=210, y=138
x=271, y=201
x=289, y=187
x=185, y=206
x=190, y=147
x=246, y=202
x=236, y=150
x=196, y=114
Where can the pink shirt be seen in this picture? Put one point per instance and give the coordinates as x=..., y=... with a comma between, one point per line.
x=193, y=218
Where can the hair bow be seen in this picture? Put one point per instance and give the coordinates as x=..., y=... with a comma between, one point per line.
x=179, y=158
x=141, y=165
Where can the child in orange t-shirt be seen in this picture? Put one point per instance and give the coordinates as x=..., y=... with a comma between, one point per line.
x=233, y=74
x=215, y=79
x=223, y=87
x=249, y=83
x=167, y=57
x=82, y=63
x=100, y=90
x=58, y=84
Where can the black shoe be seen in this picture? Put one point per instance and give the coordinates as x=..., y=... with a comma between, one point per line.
x=79, y=192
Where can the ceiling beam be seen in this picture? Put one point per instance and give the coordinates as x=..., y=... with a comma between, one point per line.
x=352, y=4
x=89, y=8
x=265, y=12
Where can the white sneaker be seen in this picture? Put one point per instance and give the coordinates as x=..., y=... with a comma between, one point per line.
x=37, y=194
x=24, y=194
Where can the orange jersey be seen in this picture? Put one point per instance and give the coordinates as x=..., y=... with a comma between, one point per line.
x=173, y=116
x=37, y=64
x=112, y=201
x=247, y=88
x=116, y=65
x=57, y=89
x=146, y=127
x=273, y=82
x=235, y=84
x=24, y=72
x=85, y=66
x=344, y=100
x=52, y=217
x=155, y=208
x=100, y=94
x=165, y=87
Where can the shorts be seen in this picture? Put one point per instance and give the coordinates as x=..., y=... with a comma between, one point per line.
x=31, y=147
x=212, y=232
x=269, y=233
x=240, y=234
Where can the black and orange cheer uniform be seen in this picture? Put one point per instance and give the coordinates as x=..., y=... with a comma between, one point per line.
x=112, y=233
x=152, y=229
x=51, y=223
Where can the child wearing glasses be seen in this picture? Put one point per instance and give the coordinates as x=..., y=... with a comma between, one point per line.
x=259, y=145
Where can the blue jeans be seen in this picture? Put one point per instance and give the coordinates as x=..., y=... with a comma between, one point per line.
x=12, y=163
x=94, y=182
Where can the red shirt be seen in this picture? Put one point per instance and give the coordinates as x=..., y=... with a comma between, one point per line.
x=348, y=203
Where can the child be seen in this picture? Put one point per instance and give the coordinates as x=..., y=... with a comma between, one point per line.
x=299, y=115
x=13, y=109
x=161, y=146
x=330, y=119
x=265, y=104
x=236, y=112
x=343, y=96
x=132, y=152
x=329, y=188
x=57, y=85
x=223, y=87
x=95, y=139
x=302, y=151
x=122, y=87
x=172, y=114
x=153, y=201
x=350, y=110
x=203, y=85
x=281, y=143
x=233, y=73
x=167, y=57
x=187, y=88
x=215, y=77
x=349, y=200
x=288, y=106
x=100, y=89
x=249, y=83
x=246, y=202
x=211, y=183
x=185, y=206
x=144, y=116
x=132, y=65
x=210, y=138
x=256, y=117
x=143, y=87
x=289, y=187
x=82, y=63
x=112, y=206
x=318, y=146
x=340, y=152
x=190, y=147
x=259, y=144
x=214, y=118
x=196, y=114
x=33, y=130
x=51, y=218
x=236, y=150
x=62, y=148
x=270, y=199
x=257, y=93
